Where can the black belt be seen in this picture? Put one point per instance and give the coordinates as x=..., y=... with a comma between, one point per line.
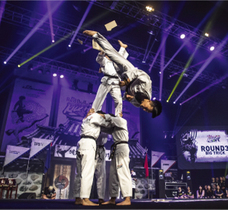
x=113, y=148
x=90, y=137
x=111, y=76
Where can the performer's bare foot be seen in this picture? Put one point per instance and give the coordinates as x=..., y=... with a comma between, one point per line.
x=126, y=202
x=89, y=32
x=111, y=201
x=122, y=44
x=78, y=201
x=87, y=202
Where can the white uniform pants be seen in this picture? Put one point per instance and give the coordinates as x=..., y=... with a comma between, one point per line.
x=102, y=92
x=120, y=175
x=123, y=64
x=86, y=165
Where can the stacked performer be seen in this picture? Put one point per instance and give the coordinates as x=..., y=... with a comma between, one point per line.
x=138, y=83
x=119, y=175
x=110, y=81
x=86, y=149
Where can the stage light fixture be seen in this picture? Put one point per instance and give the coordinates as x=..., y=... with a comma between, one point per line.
x=61, y=76
x=143, y=61
x=69, y=45
x=18, y=66
x=54, y=75
x=182, y=36
x=212, y=48
x=206, y=34
x=53, y=40
x=174, y=102
x=154, y=98
x=5, y=62
x=149, y=9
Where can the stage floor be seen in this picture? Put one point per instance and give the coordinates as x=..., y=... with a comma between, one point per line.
x=136, y=204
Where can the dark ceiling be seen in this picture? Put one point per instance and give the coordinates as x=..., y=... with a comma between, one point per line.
x=20, y=17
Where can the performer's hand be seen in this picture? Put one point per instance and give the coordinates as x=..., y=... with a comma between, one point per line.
x=129, y=97
x=89, y=32
x=122, y=83
x=99, y=70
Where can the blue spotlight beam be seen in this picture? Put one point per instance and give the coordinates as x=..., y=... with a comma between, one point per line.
x=39, y=24
x=82, y=21
x=212, y=56
x=206, y=88
x=2, y=8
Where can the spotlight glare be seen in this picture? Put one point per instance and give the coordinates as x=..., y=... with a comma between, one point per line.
x=143, y=61
x=182, y=36
x=212, y=48
x=61, y=76
x=154, y=98
x=167, y=101
x=69, y=45
x=5, y=62
x=54, y=75
x=206, y=34
x=149, y=8
x=53, y=40
x=18, y=66
x=174, y=102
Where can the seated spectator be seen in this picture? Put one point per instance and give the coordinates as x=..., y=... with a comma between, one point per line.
x=205, y=191
x=210, y=193
x=216, y=180
x=200, y=193
x=189, y=194
x=218, y=192
x=180, y=193
x=222, y=184
x=49, y=193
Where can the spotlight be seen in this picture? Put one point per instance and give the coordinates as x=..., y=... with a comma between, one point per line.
x=149, y=8
x=167, y=101
x=182, y=36
x=18, y=65
x=212, y=48
x=154, y=98
x=151, y=32
x=174, y=102
x=206, y=34
x=69, y=45
x=143, y=61
x=53, y=40
x=5, y=62
x=54, y=75
x=61, y=76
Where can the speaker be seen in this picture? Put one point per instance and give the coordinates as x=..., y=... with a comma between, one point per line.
x=27, y=196
x=161, y=184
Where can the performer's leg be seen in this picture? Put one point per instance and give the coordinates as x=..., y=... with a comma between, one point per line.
x=115, y=92
x=100, y=174
x=77, y=180
x=88, y=167
x=113, y=183
x=100, y=96
x=124, y=177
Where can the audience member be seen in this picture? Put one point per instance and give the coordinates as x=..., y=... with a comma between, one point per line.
x=200, y=192
x=205, y=191
x=180, y=193
x=189, y=193
x=210, y=193
x=218, y=192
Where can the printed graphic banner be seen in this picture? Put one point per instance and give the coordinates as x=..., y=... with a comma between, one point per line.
x=167, y=164
x=37, y=145
x=155, y=156
x=14, y=152
x=64, y=151
x=30, y=106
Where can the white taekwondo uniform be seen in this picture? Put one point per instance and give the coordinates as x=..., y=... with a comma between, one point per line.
x=119, y=169
x=109, y=83
x=86, y=148
x=140, y=81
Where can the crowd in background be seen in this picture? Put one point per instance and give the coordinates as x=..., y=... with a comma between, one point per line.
x=218, y=188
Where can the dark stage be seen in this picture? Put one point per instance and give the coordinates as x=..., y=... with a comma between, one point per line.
x=136, y=204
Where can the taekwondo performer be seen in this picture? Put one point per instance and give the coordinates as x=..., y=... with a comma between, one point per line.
x=119, y=170
x=85, y=160
x=138, y=83
x=110, y=81
x=100, y=171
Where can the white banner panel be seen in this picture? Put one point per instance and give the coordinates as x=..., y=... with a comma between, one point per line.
x=37, y=145
x=167, y=164
x=155, y=156
x=14, y=152
x=212, y=146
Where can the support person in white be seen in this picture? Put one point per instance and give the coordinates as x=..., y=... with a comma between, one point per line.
x=138, y=83
x=86, y=148
x=110, y=81
x=100, y=171
x=119, y=169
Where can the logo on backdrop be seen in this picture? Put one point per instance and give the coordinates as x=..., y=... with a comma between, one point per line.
x=167, y=164
x=155, y=156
